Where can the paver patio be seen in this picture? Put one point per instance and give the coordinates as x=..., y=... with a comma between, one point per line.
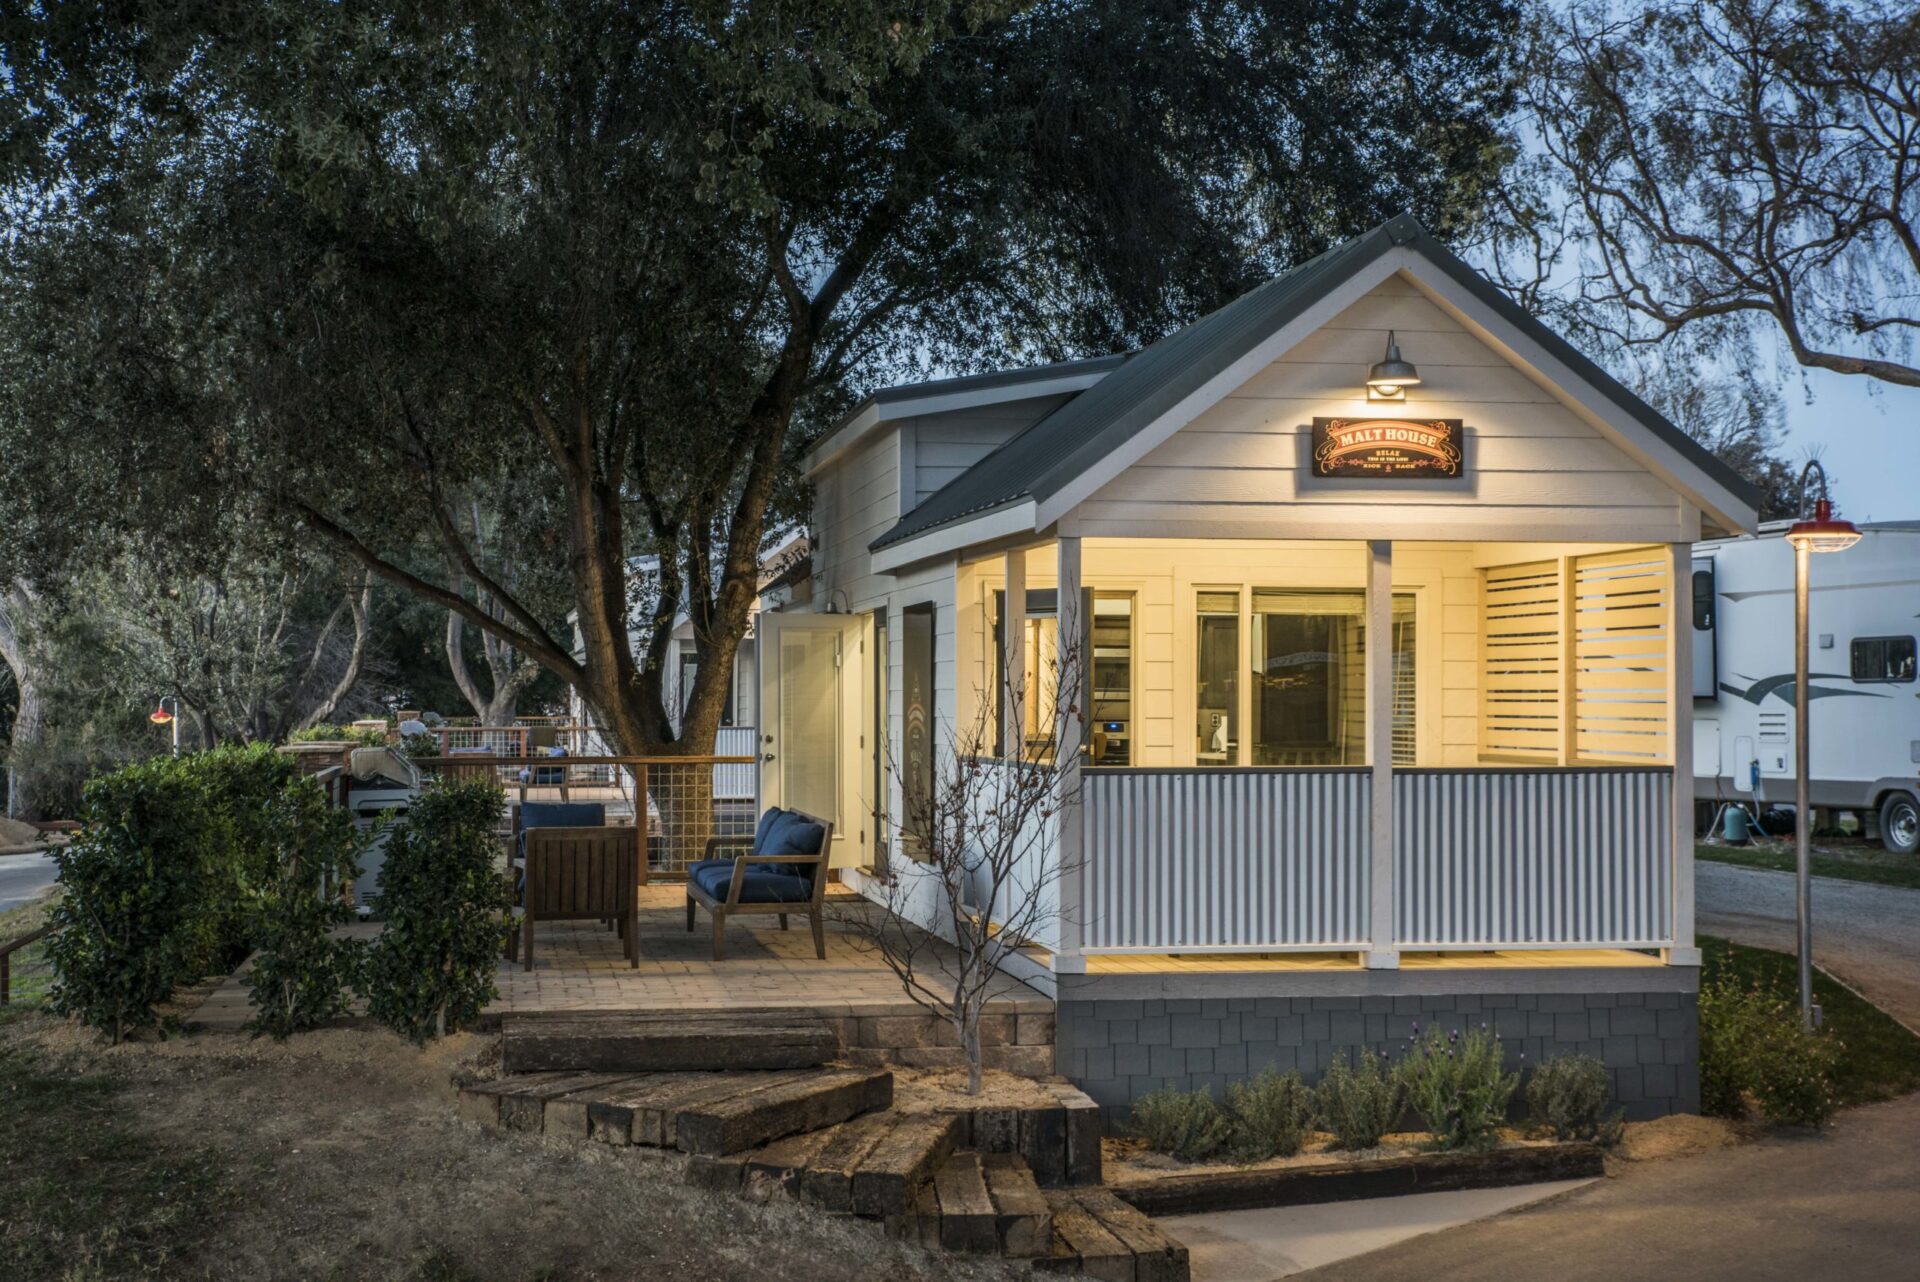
x=578, y=967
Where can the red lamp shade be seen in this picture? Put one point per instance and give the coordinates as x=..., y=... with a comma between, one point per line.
x=1823, y=533
x=160, y=716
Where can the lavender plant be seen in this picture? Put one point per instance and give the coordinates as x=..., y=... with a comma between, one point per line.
x=1359, y=1102
x=1567, y=1097
x=1269, y=1116
x=1459, y=1085
x=1189, y=1125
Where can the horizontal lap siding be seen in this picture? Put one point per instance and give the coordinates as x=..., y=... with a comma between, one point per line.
x=1499, y=857
x=1241, y=468
x=1242, y=859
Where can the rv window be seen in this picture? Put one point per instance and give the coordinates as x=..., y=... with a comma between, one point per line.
x=1883, y=659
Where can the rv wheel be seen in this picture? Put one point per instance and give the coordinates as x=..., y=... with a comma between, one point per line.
x=1900, y=823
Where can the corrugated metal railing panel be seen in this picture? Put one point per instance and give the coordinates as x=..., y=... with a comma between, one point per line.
x=1550, y=858
x=736, y=781
x=1226, y=859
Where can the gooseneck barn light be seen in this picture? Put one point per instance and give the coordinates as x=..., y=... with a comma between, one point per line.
x=1391, y=376
x=1823, y=533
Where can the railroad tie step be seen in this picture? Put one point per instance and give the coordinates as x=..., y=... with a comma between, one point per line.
x=519, y=1103
x=667, y=1042
x=1096, y=1235
x=806, y=1102
x=646, y=1109
x=827, y=1179
x=904, y=1160
x=980, y=1204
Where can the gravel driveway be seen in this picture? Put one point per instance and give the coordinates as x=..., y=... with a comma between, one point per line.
x=1867, y=936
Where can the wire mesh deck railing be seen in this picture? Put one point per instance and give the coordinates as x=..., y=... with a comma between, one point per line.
x=682, y=799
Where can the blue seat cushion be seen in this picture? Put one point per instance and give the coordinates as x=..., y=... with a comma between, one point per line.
x=559, y=814
x=760, y=887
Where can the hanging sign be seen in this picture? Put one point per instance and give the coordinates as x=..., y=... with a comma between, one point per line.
x=1376, y=448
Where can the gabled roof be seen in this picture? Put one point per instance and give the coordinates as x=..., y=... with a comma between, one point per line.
x=1040, y=461
x=966, y=390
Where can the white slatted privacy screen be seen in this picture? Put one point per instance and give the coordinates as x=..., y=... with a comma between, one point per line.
x=1575, y=659
x=1622, y=618
x=1520, y=674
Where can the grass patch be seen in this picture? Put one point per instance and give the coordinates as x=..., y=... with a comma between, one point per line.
x=87, y=1195
x=1880, y=1059
x=1865, y=863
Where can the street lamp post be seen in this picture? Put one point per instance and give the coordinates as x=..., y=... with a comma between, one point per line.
x=1823, y=533
x=168, y=713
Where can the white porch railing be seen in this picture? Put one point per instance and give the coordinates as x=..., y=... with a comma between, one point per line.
x=1520, y=858
x=1242, y=860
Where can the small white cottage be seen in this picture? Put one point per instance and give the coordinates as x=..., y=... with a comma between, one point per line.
x=1385, y=596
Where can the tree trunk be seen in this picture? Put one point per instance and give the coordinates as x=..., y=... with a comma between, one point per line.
x=29, y=720
x=362, y=607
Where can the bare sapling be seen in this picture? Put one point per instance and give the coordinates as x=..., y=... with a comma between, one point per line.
x=980, y=858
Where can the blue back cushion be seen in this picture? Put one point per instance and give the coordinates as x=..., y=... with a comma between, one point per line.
x=793, y=835
x=563, y=814
x=559, y=814
x=768, y=821
x=797, y=836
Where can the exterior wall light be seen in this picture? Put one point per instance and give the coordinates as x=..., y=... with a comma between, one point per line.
x=1391, y=376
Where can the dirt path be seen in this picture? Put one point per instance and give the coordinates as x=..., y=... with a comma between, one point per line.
x=1867, y=936
x=346, y=1161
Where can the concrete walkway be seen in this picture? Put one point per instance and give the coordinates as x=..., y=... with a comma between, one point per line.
x=1841, y=1204
x=1867, y=936
x=24, y=878
x=1255, y=1246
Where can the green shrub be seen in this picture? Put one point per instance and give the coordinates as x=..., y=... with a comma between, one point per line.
x=1567, y=1097
x=328, y=733
x=1268, y=1115
x=431, y=970
x=303, y=972
x=1188, y=1125
x=1358, y=1103
x=161, y=882
x=418, y=746
x=1459, y=1086
x=1752, y=1045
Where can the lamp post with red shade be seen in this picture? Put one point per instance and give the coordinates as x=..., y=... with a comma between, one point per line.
x=1823, y=532
x=168, y=713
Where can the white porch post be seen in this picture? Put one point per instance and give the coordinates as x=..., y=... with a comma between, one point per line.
x=1013, y=658
x=1075, y=651
x=1680, y=751
x=1381, y=953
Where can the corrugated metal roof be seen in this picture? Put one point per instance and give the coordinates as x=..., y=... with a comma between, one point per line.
x=1045, y=457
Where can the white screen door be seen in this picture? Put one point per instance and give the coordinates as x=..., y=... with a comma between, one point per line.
x=812, y=689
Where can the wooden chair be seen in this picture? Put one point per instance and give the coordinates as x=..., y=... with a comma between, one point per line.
x=584, y=874
x=746, y=893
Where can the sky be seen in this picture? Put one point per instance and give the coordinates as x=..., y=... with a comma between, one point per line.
x=1867, y=436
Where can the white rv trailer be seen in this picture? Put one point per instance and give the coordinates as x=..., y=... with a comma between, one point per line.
x=1863, y=618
